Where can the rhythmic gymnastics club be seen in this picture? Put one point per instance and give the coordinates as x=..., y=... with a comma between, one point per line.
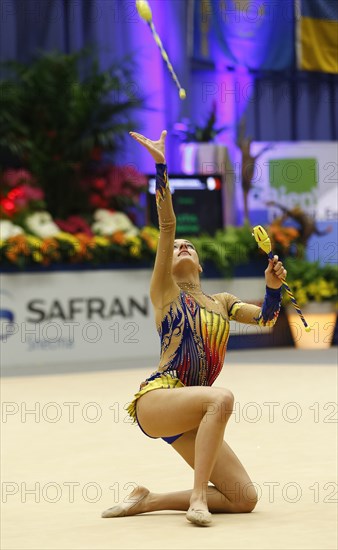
x=145, y=13
x=263, y=241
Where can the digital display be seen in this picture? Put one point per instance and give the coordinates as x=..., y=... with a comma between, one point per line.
x=197, y=202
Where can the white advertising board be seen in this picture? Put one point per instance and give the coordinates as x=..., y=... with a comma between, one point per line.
x=65, y=317
x=74, y=316
x=302, y=174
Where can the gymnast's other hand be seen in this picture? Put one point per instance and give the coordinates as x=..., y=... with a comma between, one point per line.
x=155, y=148
x=275, y=273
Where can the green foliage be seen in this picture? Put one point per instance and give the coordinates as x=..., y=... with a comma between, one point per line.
x=57, y=111
x=309, y=271
x=227, y=248
x=309, y=281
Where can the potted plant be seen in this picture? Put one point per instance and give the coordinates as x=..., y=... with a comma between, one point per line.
x=58, y=115
x=315, y=289
x=189, y=132
x=199, y=154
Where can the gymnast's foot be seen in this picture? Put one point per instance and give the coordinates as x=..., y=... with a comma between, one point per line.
x=133, y=504
x=199, y=514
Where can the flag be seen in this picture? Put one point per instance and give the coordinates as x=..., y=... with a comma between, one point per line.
x=317, y=35
x=256, y=34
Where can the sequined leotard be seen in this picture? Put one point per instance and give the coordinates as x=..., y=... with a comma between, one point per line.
x=193, y=327
x=200, y=342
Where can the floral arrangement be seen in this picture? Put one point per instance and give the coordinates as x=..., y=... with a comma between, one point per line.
x=19, y=194
x=29, y=235
x=311, y=282
x=26, y=250
x=284, y=239
x=115, y=187
x=75, y=224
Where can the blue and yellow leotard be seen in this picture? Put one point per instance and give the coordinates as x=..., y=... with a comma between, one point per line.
x=193, y=327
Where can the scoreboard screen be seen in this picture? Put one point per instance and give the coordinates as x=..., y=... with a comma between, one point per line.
x=197, y=202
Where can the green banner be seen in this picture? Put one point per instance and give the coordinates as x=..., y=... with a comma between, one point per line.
x=296, y=175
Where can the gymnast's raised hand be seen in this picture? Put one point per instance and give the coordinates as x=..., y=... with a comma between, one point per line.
x=155, y=148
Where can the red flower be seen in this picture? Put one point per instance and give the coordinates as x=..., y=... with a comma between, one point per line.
x=97, y=201
x=112, y=183
x=8, y=206
x=124, y=180
x=18, y=197
x=133, y=177
x=12, y=178
x=99, y=183
x=114, y=176
x=75, y=224
x=32, y=193
x=15, y=193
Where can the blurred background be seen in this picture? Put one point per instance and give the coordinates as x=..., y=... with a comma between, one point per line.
x=254, y=142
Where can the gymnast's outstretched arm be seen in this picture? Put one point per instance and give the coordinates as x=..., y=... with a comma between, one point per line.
x=163, y=288
x=266, y=315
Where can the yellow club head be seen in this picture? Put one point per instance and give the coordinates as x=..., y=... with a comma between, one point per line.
x=262, y=238
x=144, y=10
x=182, y=93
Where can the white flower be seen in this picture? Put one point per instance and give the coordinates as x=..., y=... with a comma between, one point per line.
x=108, y=223
x=42, y=225
x=101, y=214
x=8, y=229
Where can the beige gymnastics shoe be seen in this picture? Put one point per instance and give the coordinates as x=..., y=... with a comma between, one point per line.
x=130, y=507
x=202, y=518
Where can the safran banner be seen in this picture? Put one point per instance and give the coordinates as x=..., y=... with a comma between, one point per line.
x=67, y=317
x=59, y=319
x=256, y=34
x=317, y=35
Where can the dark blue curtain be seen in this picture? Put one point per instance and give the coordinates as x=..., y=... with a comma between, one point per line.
x=279, y=105
x=244, y=59
x=294, y=106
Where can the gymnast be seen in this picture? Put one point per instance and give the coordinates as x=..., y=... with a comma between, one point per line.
x=189, y=413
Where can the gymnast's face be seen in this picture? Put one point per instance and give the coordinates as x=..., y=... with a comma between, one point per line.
x=185, y=257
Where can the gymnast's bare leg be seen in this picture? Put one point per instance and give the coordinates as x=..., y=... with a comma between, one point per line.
x=202, y=413
x=231, y=491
